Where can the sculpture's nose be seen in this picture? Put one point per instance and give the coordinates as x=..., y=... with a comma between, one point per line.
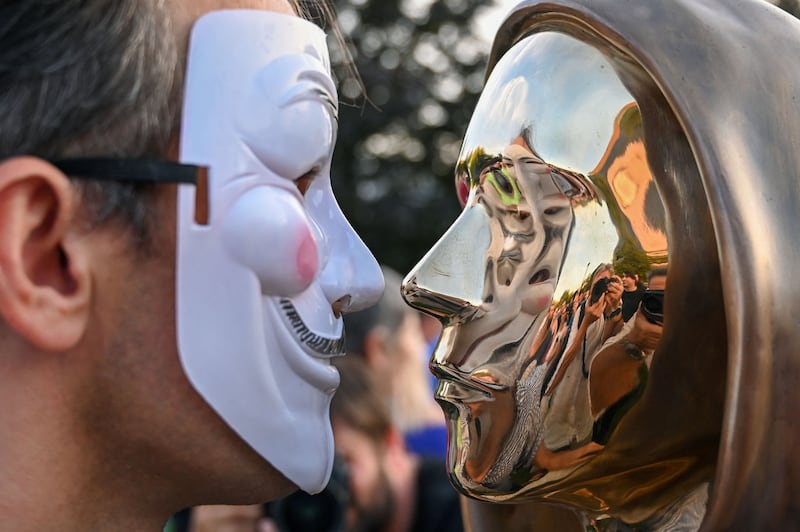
x=449, y=280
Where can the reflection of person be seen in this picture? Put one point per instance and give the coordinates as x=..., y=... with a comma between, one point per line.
x=391, y=490
x=632, y=295
x=390, y=338
x=618, y=373
x=568, y=422
x=152, y=358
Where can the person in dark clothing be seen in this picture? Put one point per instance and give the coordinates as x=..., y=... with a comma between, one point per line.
x=391, y=489
x=621, y=368
x=632, y=294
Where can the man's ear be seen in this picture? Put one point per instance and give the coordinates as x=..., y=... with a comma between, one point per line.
x=44, y=284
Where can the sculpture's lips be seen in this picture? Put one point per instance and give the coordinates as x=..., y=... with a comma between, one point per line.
x=463, y=382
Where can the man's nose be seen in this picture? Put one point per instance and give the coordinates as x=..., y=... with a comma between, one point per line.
x=448, y=282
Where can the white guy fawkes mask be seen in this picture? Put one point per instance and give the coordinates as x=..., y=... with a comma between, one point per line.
x=257, y=276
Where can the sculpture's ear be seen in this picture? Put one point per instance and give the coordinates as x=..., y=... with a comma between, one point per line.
x=44, y=287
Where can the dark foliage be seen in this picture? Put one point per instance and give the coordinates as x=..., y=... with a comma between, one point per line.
x=790, y=6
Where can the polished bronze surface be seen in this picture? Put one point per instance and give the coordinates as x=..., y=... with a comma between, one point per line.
x=556, y=187
x=611, y=127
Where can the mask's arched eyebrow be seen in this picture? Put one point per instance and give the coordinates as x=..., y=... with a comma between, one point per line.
x=314, y=85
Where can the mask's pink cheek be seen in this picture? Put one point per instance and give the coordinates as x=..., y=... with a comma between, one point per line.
x=307, y=258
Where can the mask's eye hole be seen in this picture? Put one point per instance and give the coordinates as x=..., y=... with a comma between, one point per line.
x=304, y=181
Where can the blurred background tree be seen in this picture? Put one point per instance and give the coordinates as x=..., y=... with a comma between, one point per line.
x=790, y=6
x=629, y=257
x=422, y=64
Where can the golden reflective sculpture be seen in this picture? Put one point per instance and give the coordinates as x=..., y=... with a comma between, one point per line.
x=612, y=133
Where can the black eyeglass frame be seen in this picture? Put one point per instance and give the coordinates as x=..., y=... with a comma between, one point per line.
x=144, y=171
x=132, y=170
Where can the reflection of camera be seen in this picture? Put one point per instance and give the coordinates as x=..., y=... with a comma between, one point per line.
x=323, y=512
x=600, y=288
x=653, y=306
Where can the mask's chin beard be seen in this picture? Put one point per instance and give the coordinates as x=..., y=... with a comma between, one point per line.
x=320, y=345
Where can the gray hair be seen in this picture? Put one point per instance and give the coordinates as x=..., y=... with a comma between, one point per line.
x=91, y=78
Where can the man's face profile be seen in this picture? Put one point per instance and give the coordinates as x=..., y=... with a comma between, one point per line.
x=248, y=295
x=288, y=260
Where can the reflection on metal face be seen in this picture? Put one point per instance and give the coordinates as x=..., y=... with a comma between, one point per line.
x=556, y=192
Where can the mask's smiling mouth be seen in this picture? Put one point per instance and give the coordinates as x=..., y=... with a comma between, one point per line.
x=320, y=345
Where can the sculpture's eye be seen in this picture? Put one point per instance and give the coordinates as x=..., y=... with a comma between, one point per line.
x=506, y=186
x=502, y=182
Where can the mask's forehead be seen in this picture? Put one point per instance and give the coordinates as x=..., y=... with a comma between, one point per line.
x=561, y=95
x=259, y=96
x=247, y=40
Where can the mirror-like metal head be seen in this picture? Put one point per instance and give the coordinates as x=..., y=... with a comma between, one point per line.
x=605, y=131
x=559, y=202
